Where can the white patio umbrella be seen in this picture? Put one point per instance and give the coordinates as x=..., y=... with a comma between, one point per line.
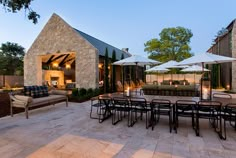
x=206, y=58
x=194, y=68
x=137, y=61
x=157, y=69
x=173, y=64
x=170, y=64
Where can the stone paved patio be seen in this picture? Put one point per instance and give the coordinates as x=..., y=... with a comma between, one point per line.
x=60, y=131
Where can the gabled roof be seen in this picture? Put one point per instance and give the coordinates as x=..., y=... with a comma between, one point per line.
x=101, y=46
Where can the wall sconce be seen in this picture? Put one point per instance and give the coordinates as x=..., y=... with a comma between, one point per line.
x=205, y=93
x=99, y=66
x=68, y=66
x=55, y=65
x=228, y=87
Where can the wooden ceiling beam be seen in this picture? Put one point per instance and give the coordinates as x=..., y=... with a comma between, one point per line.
x=63, y=60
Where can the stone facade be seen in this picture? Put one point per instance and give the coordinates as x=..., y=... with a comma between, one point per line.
x=234, y=56
x=226, y=45
x=59, y=37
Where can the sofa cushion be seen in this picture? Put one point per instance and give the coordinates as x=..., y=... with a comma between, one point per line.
x=26, y=99
x=44, y=90
x=27, y=90
x=39, y=101
x=59, y=92
x=36, y=92
x=165, y=82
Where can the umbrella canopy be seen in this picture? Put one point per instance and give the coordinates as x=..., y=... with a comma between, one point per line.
x=158, y=69
x=172, y=64
x=207, y=58
x=136, y=60
x=194, y=68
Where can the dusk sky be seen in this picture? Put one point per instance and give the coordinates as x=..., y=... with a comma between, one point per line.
x=124, y=23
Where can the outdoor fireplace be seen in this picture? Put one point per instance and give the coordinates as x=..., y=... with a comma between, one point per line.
x=54, y=81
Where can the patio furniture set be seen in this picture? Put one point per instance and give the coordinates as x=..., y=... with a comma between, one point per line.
x=35, y=96
x=220, y=109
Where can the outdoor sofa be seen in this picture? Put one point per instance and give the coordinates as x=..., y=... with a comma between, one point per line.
x=37, y=96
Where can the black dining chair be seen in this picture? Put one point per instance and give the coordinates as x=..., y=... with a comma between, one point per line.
x=120, y=108
x=185, y=108
x=230, y=116
x=227, y=112
x=105, y=110
x=95, y=105
x=209, y=110
x=139, y=105
x=161, y=107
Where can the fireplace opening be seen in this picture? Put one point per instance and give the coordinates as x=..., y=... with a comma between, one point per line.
x=54, y=81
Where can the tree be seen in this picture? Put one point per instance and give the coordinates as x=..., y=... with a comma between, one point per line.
x=113, y=59
x=172, y=45
x=221, y=32
x=11, y=59
x=106, y=71
x=16, y=5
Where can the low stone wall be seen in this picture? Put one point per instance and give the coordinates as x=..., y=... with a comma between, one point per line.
x=171, y=90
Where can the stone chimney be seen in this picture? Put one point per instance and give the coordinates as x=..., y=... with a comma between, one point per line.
x=125, y=50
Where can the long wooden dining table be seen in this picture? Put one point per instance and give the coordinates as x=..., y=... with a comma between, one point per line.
x=172, y=99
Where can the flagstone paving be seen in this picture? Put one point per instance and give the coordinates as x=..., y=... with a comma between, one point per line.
x=64, y=132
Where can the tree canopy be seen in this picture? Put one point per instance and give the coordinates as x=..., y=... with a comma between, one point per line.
x=172, y=45
x=221, y=32
x=11, y=59
x=16, y=5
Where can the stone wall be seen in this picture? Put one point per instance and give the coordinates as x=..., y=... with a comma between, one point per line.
x=234, y=56
x=59, y=37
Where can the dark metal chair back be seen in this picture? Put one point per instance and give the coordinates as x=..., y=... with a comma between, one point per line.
x=222, y=95
x=138, y=102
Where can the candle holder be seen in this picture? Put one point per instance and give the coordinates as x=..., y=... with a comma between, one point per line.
x=127, y=92
x=205, y=93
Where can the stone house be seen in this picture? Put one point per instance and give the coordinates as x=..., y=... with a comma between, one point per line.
x=225, y=45
x=62, y=54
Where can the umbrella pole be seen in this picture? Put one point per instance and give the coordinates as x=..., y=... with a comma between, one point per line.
x=202, y=69
x=123, y=78
x=136, y=75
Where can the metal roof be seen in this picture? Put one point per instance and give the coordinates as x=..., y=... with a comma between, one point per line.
x=101, y=46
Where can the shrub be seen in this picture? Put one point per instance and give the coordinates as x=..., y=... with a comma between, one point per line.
x=96, y=91
x=90, y=91
x=82, y=92
x=75, y=91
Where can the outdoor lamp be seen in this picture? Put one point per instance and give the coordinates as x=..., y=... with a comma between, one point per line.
x=55, y=65
x=228, y=87
x=68, y=66
x=99, y=65
x=205, y=93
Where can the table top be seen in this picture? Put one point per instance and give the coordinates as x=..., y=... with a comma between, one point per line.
x=172, y=99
